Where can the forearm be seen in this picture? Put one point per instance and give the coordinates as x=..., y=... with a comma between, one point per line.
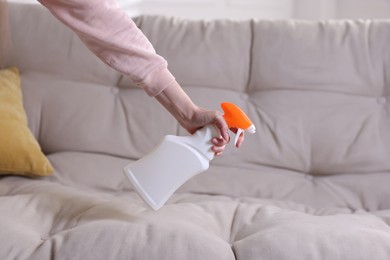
x=114, y=37
x=177, y=102
x=190, y=116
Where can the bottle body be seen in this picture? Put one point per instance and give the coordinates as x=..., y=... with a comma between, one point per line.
x=173, y=162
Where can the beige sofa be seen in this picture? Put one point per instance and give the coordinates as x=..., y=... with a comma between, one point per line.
x=312, y=183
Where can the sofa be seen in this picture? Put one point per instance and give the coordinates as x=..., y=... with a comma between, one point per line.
x=312, y=183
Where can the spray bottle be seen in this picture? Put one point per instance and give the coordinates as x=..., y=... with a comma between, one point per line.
x=178, y=158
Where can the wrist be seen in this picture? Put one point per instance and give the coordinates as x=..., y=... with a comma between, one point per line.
x=178, y=103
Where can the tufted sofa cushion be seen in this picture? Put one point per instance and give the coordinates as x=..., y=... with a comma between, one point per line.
x=311, y=184
x=320, y=91
x=317, y=92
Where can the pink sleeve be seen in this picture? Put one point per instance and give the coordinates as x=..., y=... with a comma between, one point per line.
x=114, y=37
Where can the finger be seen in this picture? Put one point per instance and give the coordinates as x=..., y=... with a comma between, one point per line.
x=240, y=140
x=217, y=154
x=218, y=141
x=221, y=125
x=218, y=149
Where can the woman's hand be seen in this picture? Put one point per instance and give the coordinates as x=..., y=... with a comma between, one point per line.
x=192, y=118
x=202, y=117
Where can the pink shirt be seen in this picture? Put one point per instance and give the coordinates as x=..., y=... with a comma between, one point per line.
x=113, y=36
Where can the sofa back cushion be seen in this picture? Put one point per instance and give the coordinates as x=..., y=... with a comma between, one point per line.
x=76, y=103
x=42, y=43
x=320, y=92
x=316, y=91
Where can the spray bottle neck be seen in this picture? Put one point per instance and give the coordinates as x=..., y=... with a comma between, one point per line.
x=201, y=141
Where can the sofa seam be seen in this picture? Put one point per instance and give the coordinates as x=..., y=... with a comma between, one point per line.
x=235, y=213
x=126, y=115
x=250, y=62
x=39, y=134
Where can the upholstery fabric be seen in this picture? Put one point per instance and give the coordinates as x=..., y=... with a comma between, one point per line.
x=20, y=153
x=312, y=183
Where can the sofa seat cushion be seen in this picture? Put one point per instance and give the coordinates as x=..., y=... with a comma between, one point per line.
x=90, y=171
x=311, y=184
x=97, y=172
x=40, y=217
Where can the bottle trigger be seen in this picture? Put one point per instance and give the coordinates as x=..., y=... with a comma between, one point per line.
x=239, y=132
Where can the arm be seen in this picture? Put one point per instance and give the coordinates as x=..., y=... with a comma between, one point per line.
x=114, y=37
x=191, y=117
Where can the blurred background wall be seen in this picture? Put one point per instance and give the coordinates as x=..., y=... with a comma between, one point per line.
x=265, y=9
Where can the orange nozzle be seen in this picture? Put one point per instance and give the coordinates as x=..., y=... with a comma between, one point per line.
x=235, y=117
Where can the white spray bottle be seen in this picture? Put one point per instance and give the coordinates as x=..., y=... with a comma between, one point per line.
x=178, y=158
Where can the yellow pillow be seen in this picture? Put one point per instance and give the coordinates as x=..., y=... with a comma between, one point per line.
x=20, y=153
